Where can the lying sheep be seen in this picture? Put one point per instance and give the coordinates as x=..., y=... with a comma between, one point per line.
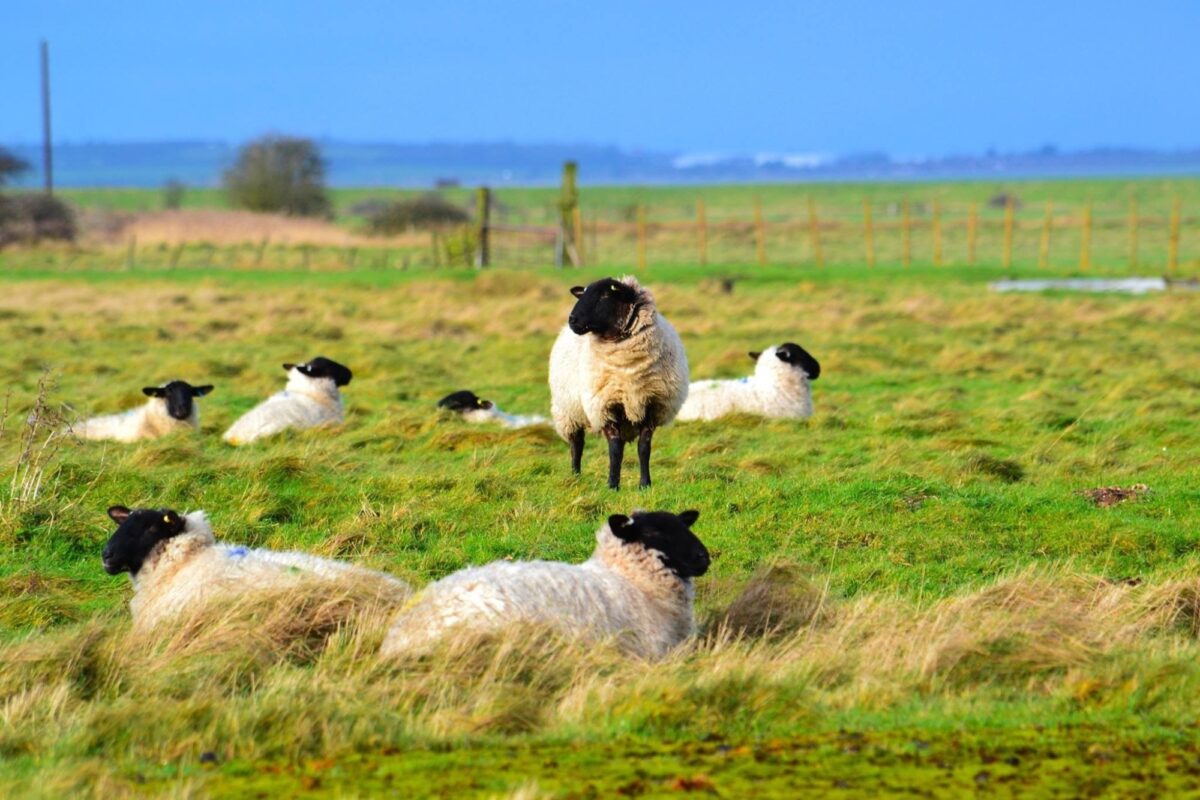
x=779, y=388
x=311, y=398
x=171, y=407
x=176, y=564
x=637, y=585
x=467, y=404
x=617, y=368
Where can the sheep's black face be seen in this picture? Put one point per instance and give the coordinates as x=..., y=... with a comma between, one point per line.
x=179, y=396
x=798, y=357
x=606, y=308
x=669, y=535
x=321, y=367
x=463, y=401
x=137, y=533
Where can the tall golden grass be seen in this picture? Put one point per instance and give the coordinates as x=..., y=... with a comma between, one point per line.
x=295, y=674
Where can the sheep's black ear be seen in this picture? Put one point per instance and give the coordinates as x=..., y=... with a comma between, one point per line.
x=689, y=517
x=200, y=391
x=623, y=527
x=288, y=366
x=577, y=291
x=486, y=404
x=754, y=356
x=118, y=514
x=154, y=391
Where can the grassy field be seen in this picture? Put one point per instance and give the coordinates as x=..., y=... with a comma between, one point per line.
x=953, y=614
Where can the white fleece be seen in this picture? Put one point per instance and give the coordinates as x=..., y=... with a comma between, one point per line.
x=646, y=374
x=304, y=403
x=192, y=568
x=623, y=590
x=776, y=390
x=147, y=421
x=495, y=414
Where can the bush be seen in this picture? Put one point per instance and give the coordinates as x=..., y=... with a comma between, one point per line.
x=10, y=166
x=1002, y=199
x=173, y=191
x=420, y=213
x=279, y=173
x=33, y=217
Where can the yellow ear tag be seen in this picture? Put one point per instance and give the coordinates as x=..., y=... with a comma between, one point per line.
x=166, y=518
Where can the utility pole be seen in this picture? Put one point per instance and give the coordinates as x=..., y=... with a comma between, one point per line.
x=47, y=158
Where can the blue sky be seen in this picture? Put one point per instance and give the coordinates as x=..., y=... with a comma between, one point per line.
x=907, y=78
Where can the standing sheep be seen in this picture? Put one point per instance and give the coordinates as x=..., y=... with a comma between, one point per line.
x=171, y=407
x=176, y=564
x=779, y=388
x=637, y=585
x=618, y=368
x=468, y=405
x=311, y=398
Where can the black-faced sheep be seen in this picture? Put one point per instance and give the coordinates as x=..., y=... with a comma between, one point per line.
x=171, y=407
x=311, y=398
x=176, y=564
x=636, y=586
x=467, y=405
x=780, y=388
x=618, y=369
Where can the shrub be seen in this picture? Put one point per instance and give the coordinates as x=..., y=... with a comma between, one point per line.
x=10, y=166
x=419, y=213
x=173, y=192
x=33, y=217
x=1002, y=199
x=279, y=173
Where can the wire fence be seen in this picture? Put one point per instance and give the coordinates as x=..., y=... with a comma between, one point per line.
x=884, y=234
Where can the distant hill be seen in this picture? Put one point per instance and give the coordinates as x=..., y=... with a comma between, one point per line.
x=150, y=164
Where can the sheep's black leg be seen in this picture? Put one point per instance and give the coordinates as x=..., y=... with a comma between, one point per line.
x=644, y=438
x=577, y=450
x=616, y=454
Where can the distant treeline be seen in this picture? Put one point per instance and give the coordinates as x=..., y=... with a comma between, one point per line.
x=151, y=164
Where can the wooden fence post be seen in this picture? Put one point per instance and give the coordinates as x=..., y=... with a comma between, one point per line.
x=868, y=233
x=641, y=236
x=1173, y=241
x=435, y=245
x=814, y=232
x=176, y=254
x=702, y=230
x=760, y=234
x=131, y=252
x=972, y=232
x=483, y=218
x=1044, y=244
x=1085, y=238
x=262, y=249
x=1008, y=231
x=567, y=203
x=906, y=233
x=937, y=234
x=1133, y=232
x=578, y=220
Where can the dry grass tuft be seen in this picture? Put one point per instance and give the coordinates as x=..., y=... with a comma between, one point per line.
x=291, y=623
x=777, y=601
x=1109, y=496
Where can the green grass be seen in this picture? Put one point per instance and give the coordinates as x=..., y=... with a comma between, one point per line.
x=953, y=433
x=1154, y=196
